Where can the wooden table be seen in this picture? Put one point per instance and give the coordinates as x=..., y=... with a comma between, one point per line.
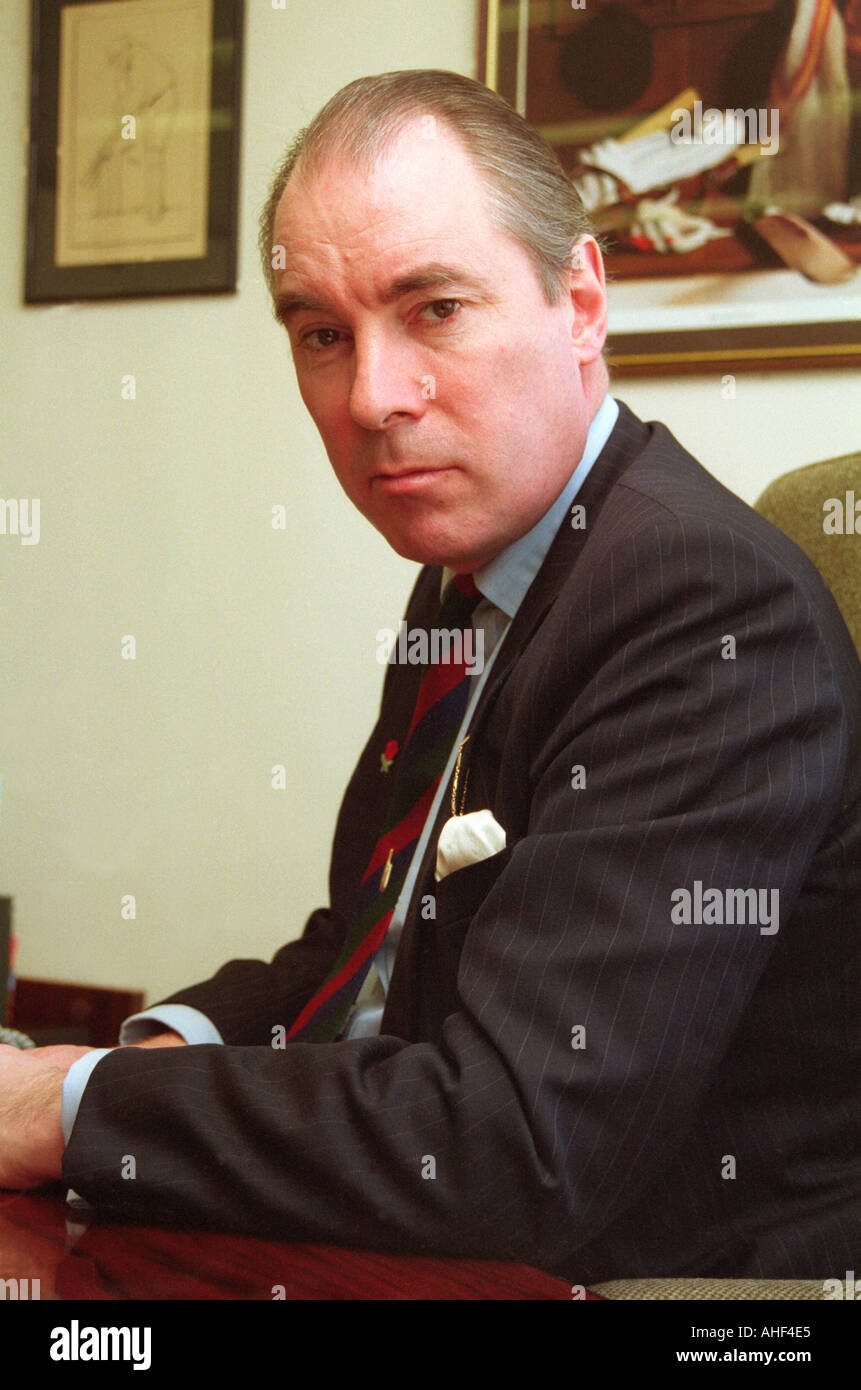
x=40, y=1239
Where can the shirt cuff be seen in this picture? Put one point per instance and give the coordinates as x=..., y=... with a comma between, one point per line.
x=74, y=1085
x=194, y=1026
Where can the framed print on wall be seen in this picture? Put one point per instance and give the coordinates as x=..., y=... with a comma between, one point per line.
x=134, y=147
x=717, y=145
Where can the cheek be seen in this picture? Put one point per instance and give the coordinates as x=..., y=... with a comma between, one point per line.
x=313, y=392
x=509, y=379
x=485, y=398
x=328, y=408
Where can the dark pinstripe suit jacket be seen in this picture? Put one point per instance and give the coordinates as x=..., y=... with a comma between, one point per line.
x=708, y=1123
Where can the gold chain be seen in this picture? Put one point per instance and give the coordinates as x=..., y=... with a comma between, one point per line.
x=456, y=779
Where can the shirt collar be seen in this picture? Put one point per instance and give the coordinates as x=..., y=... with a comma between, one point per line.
x=507, y=577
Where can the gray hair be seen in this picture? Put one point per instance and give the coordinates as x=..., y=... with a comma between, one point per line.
x=530, y=196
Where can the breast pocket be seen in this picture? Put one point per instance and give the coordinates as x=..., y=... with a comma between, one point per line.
x=461, y=893
x=458, y=899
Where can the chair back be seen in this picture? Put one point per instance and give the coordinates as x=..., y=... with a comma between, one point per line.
x=819, y=507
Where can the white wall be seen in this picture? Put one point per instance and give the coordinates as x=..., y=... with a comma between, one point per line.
x=254, y=647
x=776, y=421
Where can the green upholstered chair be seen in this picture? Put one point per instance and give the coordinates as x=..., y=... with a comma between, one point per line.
x=815, y=507
x=809, y=505
x=709, y=1289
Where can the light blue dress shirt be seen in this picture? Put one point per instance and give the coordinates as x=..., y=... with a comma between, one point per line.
x=503, y=584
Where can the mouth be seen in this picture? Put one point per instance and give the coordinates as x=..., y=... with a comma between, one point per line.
x=408, y=479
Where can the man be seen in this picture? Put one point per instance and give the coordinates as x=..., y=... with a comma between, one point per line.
x=620, y=1035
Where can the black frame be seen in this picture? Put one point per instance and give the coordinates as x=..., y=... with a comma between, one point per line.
x=216, y=271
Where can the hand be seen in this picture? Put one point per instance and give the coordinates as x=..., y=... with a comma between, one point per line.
x=31, y=1131
x=169, y=1038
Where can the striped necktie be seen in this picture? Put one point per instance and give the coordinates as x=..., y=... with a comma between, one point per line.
x=440, y=706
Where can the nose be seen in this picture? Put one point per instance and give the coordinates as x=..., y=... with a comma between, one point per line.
x=387, y=383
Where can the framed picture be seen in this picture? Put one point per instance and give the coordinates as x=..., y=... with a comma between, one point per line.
x=134, y=147
x=717, y=146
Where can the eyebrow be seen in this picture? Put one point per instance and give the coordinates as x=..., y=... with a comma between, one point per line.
x=433, y=275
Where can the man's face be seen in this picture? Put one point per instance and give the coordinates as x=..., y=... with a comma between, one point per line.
x=449, y=394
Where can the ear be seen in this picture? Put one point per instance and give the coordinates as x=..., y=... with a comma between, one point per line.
x=588, y=299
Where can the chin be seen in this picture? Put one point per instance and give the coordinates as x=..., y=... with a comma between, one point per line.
x=426, y=550
x=431, y=536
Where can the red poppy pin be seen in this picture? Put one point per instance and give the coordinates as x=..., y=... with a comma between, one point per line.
x=387, y=757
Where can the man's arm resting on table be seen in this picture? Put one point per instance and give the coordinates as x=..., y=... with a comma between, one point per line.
x=40, y=1093
x=41, y=1089
x=39, y=1105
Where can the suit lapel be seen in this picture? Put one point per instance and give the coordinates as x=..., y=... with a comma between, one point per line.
x=627, y=440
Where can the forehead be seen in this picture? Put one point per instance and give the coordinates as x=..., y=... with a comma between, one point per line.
x=421, y=195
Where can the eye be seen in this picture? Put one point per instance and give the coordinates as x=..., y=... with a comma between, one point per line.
x=441, y=309
x=321, y=338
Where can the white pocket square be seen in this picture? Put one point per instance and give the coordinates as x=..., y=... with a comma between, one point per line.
x=467, y=840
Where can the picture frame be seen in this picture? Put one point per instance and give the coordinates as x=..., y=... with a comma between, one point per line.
x=733, y=305
x=134, y=148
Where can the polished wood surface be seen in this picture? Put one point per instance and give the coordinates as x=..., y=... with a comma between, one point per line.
x=53, y=1011
x=41, y=1238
